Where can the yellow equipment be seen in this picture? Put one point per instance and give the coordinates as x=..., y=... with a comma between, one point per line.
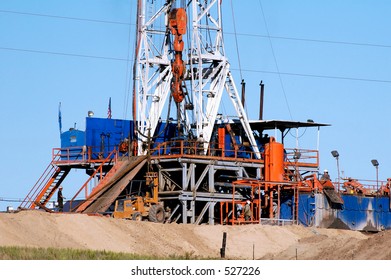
x=145, y=207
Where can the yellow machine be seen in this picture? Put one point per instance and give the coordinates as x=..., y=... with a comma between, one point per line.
x=139, y=207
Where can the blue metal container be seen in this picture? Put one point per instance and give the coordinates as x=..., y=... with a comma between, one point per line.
x=105, y=135
x=358, y=212
x=72, y=142
x=73, y=138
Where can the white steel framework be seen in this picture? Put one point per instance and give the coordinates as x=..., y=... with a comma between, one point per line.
x=207, y=76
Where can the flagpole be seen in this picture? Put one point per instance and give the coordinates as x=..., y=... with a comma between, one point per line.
x=59, y=118
x=109, y=109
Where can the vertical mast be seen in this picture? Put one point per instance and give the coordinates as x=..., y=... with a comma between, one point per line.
x=153, y=70
x=137, y=49
x=206, y=75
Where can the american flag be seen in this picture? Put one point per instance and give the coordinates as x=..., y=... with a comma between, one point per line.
x=109, y=110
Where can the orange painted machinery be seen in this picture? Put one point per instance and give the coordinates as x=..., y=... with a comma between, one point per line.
x=177, y=24
x=274, y=161
x=385, y=189
x=352, y=186
x=140, y=207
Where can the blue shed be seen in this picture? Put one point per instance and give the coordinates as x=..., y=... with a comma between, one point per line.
x=72, y=142
x=103, y=135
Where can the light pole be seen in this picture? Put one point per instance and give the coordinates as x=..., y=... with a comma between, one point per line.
x=336, y=155
x=375, y=163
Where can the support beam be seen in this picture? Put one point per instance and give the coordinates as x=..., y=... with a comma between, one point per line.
x=211, y=219
x=203, y=211
x=184, y=211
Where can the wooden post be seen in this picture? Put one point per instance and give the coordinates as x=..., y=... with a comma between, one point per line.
x=222, y=249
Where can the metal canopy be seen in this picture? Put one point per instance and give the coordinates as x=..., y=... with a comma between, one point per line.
x=282, y=125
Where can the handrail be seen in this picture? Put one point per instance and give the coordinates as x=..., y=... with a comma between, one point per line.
x=193, y=148
x=306, y=157
x=372, y=187
x=99, y=169
x=30, y=197
x=197, y=149
x=69, y=155
x=78, y=155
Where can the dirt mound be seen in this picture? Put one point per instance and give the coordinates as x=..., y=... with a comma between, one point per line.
x=40, y=229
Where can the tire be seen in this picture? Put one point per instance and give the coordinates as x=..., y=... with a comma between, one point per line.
x=137, y=216
x=156, y=213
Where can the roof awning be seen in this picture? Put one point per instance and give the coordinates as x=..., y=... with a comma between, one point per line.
x=261, y=125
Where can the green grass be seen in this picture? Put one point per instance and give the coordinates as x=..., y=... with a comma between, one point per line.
x=27, y=253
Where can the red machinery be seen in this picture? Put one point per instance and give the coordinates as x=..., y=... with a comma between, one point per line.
x=352, y=186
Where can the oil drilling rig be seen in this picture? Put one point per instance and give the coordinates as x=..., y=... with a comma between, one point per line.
x=180, y=156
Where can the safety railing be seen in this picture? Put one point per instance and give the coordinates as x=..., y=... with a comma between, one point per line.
x=301, y=157
x=99, y=170
x=36, y=189
x=82, y=154
x=232, y=212
x=361, y=186
x=195, y=148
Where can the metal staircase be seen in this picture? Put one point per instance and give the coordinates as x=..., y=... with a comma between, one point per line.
x=45, y=187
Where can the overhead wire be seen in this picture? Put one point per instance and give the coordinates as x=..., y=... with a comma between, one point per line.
x=317, y=76
x=225, y=32
x=64, y=17
x=236, y=40
x=234, y=69
x=311, y=40
x=275, y=59
x=128, y=69
x=64, y=54
x=235, y=33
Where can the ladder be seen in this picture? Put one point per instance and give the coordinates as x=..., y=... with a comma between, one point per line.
x=45, y=187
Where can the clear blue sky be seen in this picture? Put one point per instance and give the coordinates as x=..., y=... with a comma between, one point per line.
x=334, y=60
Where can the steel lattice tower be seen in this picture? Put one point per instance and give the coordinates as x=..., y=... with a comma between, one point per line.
x=207, y=77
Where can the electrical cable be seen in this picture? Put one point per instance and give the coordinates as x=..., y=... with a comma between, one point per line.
x=311, y=40
x=317, y=76
x=225, y=32
x=275, y=60
x=63, y=17
x=127, y=78
x=11, y=199
x=233, y=69
x=64, y=54
x=236, y=41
